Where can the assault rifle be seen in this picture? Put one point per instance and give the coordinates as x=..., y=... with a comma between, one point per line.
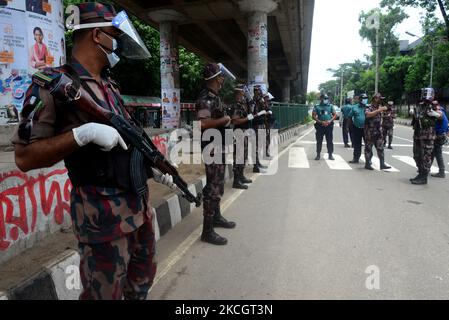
x=67, y=88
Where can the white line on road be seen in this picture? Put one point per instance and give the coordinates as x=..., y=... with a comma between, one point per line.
x=338, y=164
x=408, y=140
x=411, y=162
x=298, y=159
x=341, y=144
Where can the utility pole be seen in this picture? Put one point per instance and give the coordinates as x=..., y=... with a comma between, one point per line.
x=376, y=89
x=373, y=22
x=431, y=67
x=341, y=87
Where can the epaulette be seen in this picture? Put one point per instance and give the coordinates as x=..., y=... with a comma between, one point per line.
x=46, y=76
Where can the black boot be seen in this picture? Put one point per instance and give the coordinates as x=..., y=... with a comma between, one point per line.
x=209, y=235
x=421, y=180
x=417, y=177
x=383, y=166
x=354, y=161
x=238, y=184
x=256, y=169
x=245, y=179
x=368, y=166
x=318, y=157
x=331, y=157
x=439, y=175
x=220, y=222
x=261, y=166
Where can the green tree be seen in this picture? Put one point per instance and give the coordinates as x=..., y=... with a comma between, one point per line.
x=331, y=88
x=429, y=5
x=143, y=77
x=388, y=42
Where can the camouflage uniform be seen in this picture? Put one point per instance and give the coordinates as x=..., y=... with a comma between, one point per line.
x=373, y=135
x=240, y=110
x=114, y=226
x=423, y=139
x=388, y=125
x=209, y=105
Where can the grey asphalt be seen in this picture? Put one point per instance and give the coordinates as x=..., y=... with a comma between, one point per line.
x=312, y=234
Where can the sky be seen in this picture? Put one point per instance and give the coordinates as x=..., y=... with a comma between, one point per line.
x=336, y=39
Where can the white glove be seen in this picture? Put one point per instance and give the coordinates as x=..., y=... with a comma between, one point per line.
x=102, y=135
x=433, y=113
x=250, y=117
x=262, y=113
x=165, y=179
x=270, y=112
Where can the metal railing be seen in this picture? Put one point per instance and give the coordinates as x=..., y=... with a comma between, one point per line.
x=289, y=114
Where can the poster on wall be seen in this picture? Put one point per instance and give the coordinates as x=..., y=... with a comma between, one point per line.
x=31, y=38
x=171, y=108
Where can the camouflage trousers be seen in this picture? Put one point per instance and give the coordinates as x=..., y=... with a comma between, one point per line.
x=387, y=131
x=123, y=268
x=423, y=144
x=240, y=157
x=373, y=138
x=214, y=189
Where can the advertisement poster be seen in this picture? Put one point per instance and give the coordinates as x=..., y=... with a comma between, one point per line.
x=31, y=38
x=171, y=108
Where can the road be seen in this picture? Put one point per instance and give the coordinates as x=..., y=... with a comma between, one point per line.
x=312, y=230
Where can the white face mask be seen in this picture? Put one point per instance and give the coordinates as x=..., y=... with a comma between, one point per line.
x=113, y=58
x=326, y=101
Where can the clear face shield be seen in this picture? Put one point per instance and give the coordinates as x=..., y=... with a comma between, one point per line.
x=130, y=44
x=226, y=73
x=427, y=94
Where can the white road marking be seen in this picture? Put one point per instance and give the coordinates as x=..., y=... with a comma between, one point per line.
x=298, y=159
x=338, y=164
x=411, y=162
x=408, y=140
x=375, y=162
x=341, y=144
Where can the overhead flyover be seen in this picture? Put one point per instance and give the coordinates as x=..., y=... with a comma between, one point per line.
x=264, y=41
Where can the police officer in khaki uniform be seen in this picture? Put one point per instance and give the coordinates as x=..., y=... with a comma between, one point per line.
x=212, y=114
x=112, y=222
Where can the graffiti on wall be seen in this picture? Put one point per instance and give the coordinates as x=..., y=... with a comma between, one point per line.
x=31, y=203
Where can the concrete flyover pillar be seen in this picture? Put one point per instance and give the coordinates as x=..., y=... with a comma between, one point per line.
x=286, y=91
x=257, y=13
x=169, y=53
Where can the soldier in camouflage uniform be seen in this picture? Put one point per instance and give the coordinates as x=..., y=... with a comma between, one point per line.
x=388, y=124
x=259, y=106
x=373, y=133
x=240, y=118
x=424, y=122
x=113, y=224
x=212, y=115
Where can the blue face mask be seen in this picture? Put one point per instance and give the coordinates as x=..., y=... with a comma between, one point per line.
x=365, y=102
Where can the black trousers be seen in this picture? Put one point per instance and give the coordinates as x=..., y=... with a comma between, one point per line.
x=322, y=132
x=347, y=132
x=357, y=136
x=438, y=152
